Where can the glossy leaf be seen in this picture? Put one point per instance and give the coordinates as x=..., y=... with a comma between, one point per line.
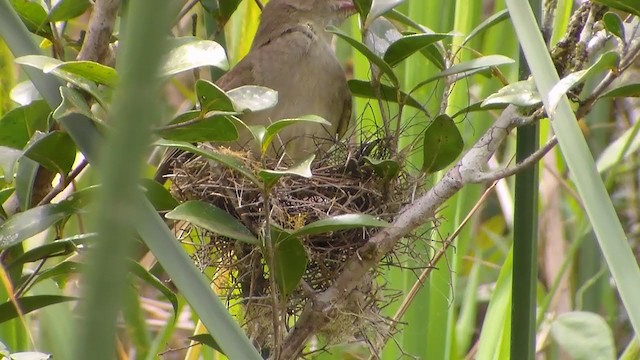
x=211, y=97
x=26, y=224
x=227, y=160
x=193, y=53
x=59, y=273
x=68, y=9
x=373, y=58
x=379, y=35
x=252, y=98
x=73, y=102
x=607, y=61
x=96, y=72
x=212, y=218
x=364, y=89
x=34, y=17
x=339, y=222
x=210, y=128
x=271, y=177
x=60, y=247
x=630, y=6
x=468, y=68
x=30, y=303
x=379, y=7
x=18, y=125
x=521, y=93
x=584, y=336
x=55, y=150
x=442, y=144
x=408, y=45
x=613, y=24
x=290, y=263
x=631, y=90
x=274, y=128
x=158, y=195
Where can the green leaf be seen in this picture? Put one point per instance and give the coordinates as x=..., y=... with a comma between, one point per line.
x=147, y=277
x=442, y=144
x=386, y=169
x=18, y=125
x=373, y=58
x=290, y=263
x=252, y=98
x=408, y=45
x=379, y=7
x=60, y=247
x=207, y=339
x=8, y=159
x=468, y=68
x=339, y=222
x=158, y=195
x=59, y=273
x=227, y=160
x=630, y=6
x=25, y=179
x=630, y=90
x=274, y=128
x=211, y=97
x=522, y=93
x=478, y=106
x=73, y=102
x=212, y=218
x=584, y=336
x=210, y=128
x=55, y=150
x=606, y=61
x=24, y=225
x=613, y=24
x=271, y=177
x=28, y=304
x=33, y=16
x=363, y=7
x=68, y=9
x=365, y=90
x=193, y=53
x=93, y=71
x=487, y=24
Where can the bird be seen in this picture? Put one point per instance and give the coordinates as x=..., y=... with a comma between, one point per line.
x=292, y=54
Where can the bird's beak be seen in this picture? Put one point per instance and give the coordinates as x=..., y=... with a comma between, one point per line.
x=347, y=6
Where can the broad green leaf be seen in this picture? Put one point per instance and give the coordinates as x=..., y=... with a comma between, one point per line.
x=630, y=6
x=408, y=45
x=252, y=98
x=227, y=8
x=364, y=89
x=60, y=247
x=30, y=303
x=487, y=24
x=93, y=71
x=158, y=195
x=468, y=68
x=227, y=160
x=211, y=97
x=55, y=150
x=49, y=65
x=193, y=53
x=210, y=128
x=379, y=7
x=212, y=218
x=8, y=159
x=148, y=278
x=631, y=90
x=522, y=93
x=478, y=106
x=271, y=177
x=360, y=47
x=607, y=61
x=339, y=222
x=274, y=128
x=613, y=24
x=33, y=16
x=68, y=9
x=386, y=169
x=18, y=125
x=207, y=339
x=73, y=102
x=363, y=7
x=59, y=273
x=584, y=336
x=26, y=224
x=290, y=263
x=442, y=144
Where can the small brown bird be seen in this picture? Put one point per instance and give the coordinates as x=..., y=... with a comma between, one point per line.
x=291, y=53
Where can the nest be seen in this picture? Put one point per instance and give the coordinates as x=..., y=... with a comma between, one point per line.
x=342, y=183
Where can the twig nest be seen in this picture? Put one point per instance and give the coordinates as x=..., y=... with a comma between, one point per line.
x=342, y=183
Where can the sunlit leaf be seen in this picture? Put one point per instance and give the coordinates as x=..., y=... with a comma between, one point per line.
x=253, y=98
x=408, y=45
x=193, y=53
x=274, y=128
x=442, y=144
x=380, y=34
x=68, y=9
x=214, y=127
x=521, y=93
x=631, y=90
x=584, y=336
x=34, y=16
x=96, y=72
x=339, y=222
x=468, y=68
x=379, y=7
x=212, y=218
x=270, y=177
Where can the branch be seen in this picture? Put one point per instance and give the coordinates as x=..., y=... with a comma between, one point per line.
x=96, y=42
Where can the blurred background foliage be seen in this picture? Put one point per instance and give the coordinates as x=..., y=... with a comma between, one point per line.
x=463, y=308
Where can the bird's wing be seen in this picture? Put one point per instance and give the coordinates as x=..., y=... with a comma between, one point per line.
x=345, y=118
x=240, y=75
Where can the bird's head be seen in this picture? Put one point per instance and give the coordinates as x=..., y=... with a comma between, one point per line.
x=320, y=12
